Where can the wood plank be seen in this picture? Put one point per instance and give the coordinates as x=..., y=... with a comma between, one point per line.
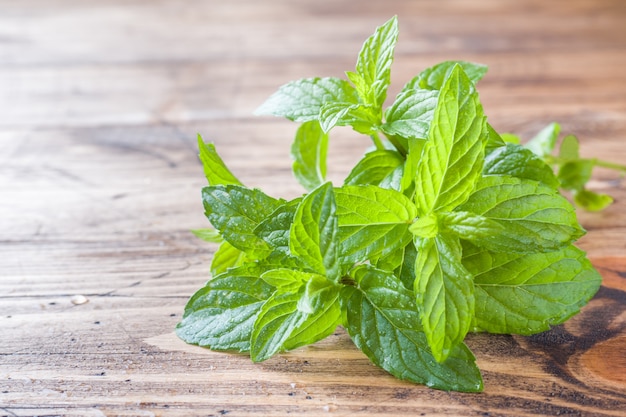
x=100, y=103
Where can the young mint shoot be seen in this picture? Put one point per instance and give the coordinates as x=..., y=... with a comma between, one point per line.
x=445, y=228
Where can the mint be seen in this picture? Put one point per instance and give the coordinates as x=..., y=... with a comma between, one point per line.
x=444, y=228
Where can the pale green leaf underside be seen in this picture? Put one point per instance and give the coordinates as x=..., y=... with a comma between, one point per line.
x=453, y=155
x=376, y=168
x=445, y=294
x=382, y=321
x=302, y=100
x=411, y=114
x=309, y=151
x=528, y=293
x=215, y=170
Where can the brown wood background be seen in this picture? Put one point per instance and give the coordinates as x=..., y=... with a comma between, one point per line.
x=100, y=102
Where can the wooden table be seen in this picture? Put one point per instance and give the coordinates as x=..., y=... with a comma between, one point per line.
x=100, y=184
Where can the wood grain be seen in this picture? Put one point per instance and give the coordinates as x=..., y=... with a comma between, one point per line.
x=100, y=103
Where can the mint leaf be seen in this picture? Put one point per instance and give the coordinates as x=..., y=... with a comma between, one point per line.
x=236, y=211
x=433, y=78
x=208, y=235
x=293, y=318
x=528, y=293
x=410, y=115
x=380, y=167
x=517, y=161
x=398, y=345
x=453, y=155
x=592, y=201
x=374, y=63
x=302, y=100
x=309, y=153
x=494, y=140
x=544, y=142
x=373, y=221
x=574, y=174
x=221, y=314
x=534, y=217
x=227, y=256
x=215, y=170
x=361, y=117
x=569, y=149
x=445, y=294
x=313, y=234
x=276, y=227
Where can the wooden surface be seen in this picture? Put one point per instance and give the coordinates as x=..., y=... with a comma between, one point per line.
x=99, y=185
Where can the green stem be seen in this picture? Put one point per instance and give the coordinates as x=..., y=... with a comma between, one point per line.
x=379, y=143
x=609, y=165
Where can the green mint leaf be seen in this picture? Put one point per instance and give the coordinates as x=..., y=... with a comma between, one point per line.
x=544, y=142
x=236, y=211
x=227, y=256
x=494, y=140
x=208, y=235
x=302, y=100
x=470, y=226
x=276, y=227
x=373, y=221
x=433, y=78
x=445, y=294
x=382, y=320
x=528, y=293
x=592, y=201
x=374, y=62
x=517, y=161
x=410, y=115
x=380, y=167
x=313, y=234
x=569, y=149
x=413, y=157
x=511, y=138
x=294, y=318
x=535, y=217
x=452, y=157
x=215, y=170
x=309, y=153
x=362, y=118
x=221, y=314
x=574, y=174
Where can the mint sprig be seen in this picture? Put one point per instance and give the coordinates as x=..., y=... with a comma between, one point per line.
x=445, y=228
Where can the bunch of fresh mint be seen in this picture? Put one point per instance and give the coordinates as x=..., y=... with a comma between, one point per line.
x=443, y=229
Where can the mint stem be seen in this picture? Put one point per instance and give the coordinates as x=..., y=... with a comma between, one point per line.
x=609, y=165
x=379, y=143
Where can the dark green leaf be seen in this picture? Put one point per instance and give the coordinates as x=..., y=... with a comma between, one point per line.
x=275, y=228
x=236, y=211
x=221, y=314
x=382, y=321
